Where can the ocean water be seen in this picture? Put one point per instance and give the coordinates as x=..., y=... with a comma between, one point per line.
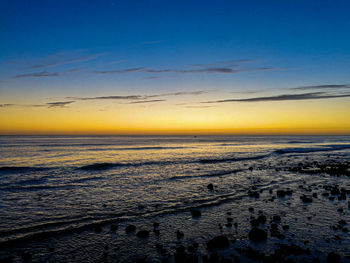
x=52, y=185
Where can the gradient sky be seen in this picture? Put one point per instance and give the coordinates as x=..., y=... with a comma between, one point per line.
x=174, y=67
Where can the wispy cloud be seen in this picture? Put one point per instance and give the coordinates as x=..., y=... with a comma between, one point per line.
x=37, y=75
x=227, y=63
x=199, y=107
x=214, y=70
x=59, y=104
x=286, y=97
x=64, y=59
x=145, y=101
x=6, y=105
x=142, y=97
x=112, y=97
x=320, y=87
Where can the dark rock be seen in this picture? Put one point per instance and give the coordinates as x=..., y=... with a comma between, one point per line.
x=342, y=222
x=251, y=209
x=257, y=235
x=276, y=218
x=114, y=227
x=155, y=224
x=342, y=196
x=210, y=187
x=130, y=228
x=6, y=260
x=292, y=249
x=179, y=234
x=26, y=256
x=254, y=222
x=219, y=242
x=332, y=258
x=143, y=234
x=261, y=219
x=285, y=227
x=97, y=229
x=306, y=199
x=253, y=194
x=195, y=213
x=193, y=248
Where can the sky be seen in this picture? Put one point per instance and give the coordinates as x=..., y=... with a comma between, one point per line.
x=174, y=67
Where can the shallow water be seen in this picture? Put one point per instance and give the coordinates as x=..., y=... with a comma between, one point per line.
x=53, y=185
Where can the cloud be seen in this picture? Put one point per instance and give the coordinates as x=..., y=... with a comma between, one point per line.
x=180, y=93
x=113, y=97
x=64, y=59
x=199, y=107
x=214, y=70
x=286, y=97
x=141, y=97
x=37, y=75
x=59, y=104
x=227, y=63
x=318, y=87
x=6, y=105
x=145, y=101
x=73, y=70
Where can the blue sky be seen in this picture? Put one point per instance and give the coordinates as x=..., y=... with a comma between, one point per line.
x=60, y=49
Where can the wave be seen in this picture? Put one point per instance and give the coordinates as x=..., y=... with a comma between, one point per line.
x=326, y=148
x=222, y=160
x=17, y=188
x=21, y=169
x=215, y=174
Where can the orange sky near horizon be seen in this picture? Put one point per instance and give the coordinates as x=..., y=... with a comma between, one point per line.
x=329, y=116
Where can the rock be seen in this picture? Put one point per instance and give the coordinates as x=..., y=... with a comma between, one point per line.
x=130, y=228
x=143, y=234
x=261, y=219
x=179, y=234
x=251, y=209
x=97, y=229
x=195, y=213
x=253, y=194
x=281, y=193
x=342, y=196
x=218, y=242
x=114, y=227
x=276, y=218
x=342, y=222
x=26, y=256
x=254, y=222
x=332, y=258
x=193, y=248
x=210, y=187
x=306, y=199
x=257, y=235
x=285, y=227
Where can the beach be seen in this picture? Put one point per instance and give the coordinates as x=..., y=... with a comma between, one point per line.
x=174, y=198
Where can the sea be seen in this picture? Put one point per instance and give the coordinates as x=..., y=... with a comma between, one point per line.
x=54, y=185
